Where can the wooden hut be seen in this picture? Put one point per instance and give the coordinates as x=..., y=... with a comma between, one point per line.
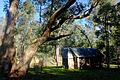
x=81, y=58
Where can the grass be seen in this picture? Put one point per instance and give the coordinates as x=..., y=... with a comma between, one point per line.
x=111, y=65
x=52, y=73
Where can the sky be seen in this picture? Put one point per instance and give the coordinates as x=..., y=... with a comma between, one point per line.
x=1, y=8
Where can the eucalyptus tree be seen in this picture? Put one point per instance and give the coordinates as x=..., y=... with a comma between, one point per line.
x=108, y=17
x=53, y=21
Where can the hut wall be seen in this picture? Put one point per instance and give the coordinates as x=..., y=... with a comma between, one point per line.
x=70, y=63
x=78, y=62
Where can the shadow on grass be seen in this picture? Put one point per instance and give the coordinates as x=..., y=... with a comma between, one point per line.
x=52, y=73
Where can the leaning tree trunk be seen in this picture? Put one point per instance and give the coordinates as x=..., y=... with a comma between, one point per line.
x=20, y=69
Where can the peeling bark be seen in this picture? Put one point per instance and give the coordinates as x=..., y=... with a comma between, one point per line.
x=7, y=49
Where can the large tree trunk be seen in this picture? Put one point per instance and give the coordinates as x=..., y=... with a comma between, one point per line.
x=7, y=49
x=20, y=69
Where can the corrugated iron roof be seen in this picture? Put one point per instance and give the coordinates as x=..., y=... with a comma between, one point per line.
x=81, y=52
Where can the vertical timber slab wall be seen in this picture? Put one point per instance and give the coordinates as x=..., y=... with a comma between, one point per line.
x=70, y=63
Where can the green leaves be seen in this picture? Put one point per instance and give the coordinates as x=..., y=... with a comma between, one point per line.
x=27, y=10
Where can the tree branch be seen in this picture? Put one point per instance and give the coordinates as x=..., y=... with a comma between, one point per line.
x=84, y=35
x=59, y=24
x=55, y=15
x=49, y=28
x=58, y=37
x=86, y=13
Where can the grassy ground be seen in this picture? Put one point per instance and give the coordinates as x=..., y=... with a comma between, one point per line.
x=51, y=73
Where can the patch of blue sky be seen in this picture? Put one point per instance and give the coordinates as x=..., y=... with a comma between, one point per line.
x=43, y=10
x=2, y=12
x=83, y=23
x=83, y=1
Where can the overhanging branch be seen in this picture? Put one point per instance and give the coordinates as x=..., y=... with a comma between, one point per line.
x=59, y=24
x=57, y=13
x=51, y=22
x=58, y=37
x=86, y=13
x=84, y=35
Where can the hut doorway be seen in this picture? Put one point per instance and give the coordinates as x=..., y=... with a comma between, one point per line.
x=75, y=62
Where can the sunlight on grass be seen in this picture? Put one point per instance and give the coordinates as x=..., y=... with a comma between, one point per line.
x=111, y=65
x=58, y=71
x=52, y=73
